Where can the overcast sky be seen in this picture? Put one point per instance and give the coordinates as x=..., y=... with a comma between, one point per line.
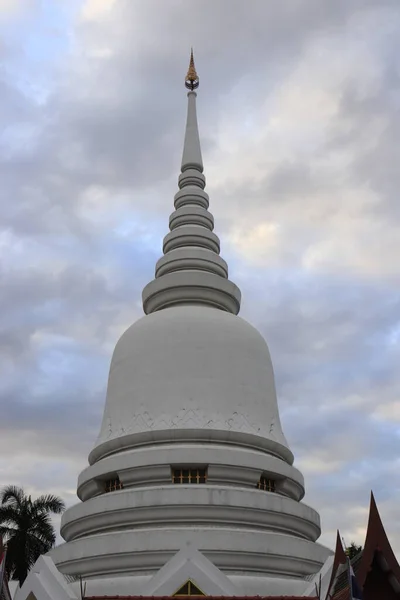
x=298, y=109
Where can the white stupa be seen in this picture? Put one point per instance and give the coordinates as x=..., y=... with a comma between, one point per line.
x=191, y=477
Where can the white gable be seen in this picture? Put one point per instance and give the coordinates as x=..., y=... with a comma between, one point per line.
x=322, y=578
x=186, y=564
x=44, y=582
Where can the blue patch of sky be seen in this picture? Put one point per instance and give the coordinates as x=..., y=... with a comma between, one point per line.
x=151, y=225
x=139, y=237
x=37, y=41
x=61, y=361
x=48, y=312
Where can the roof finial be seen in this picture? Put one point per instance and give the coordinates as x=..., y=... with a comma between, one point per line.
x=191, y=79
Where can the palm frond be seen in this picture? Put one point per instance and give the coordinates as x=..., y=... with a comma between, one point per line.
x=9, y=515
x=49, y=503
x=6, y=533
x=13, y=495
x=37, y=547
x=42, y=528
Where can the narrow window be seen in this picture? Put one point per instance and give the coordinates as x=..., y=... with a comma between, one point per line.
x=111, y=485
x=189, y=475
x=266, y=484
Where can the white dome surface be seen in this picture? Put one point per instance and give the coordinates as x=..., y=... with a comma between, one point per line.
x=191, y=367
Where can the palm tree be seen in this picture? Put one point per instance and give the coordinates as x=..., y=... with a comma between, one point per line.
x=353, y=550
x=26, y=528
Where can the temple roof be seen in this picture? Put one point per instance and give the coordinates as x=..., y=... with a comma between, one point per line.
x=377, y=555
x=377, y=542
x=341, y=589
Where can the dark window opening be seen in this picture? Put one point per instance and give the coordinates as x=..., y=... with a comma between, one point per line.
x=111, y=485
x=266, y=484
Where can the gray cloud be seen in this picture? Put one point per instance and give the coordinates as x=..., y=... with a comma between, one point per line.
x=298, y=110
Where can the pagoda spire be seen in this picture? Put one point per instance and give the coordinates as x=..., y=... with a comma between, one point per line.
x=191, y=158
x=191, y=270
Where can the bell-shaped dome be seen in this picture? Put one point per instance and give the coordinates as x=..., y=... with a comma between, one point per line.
x=191, y=372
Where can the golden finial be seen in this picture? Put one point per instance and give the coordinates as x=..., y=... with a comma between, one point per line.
x=191, y=79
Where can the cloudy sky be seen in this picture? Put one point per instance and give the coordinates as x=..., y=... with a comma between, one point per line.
x=299, y=117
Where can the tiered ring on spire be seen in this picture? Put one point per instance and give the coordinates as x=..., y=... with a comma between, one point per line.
x=191, y=270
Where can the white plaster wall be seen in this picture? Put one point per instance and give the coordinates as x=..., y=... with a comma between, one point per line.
x=144, y=465
x=148, y=549
x=271, y=586
x=191, y=367
x=189, y=506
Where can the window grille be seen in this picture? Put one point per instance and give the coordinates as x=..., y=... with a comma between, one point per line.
x=111, y=485
x=266, y=484
x=190, y=475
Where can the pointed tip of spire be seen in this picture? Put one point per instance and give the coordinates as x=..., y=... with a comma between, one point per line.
x=373, y=509
x=340, y=551
x=191, y=79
